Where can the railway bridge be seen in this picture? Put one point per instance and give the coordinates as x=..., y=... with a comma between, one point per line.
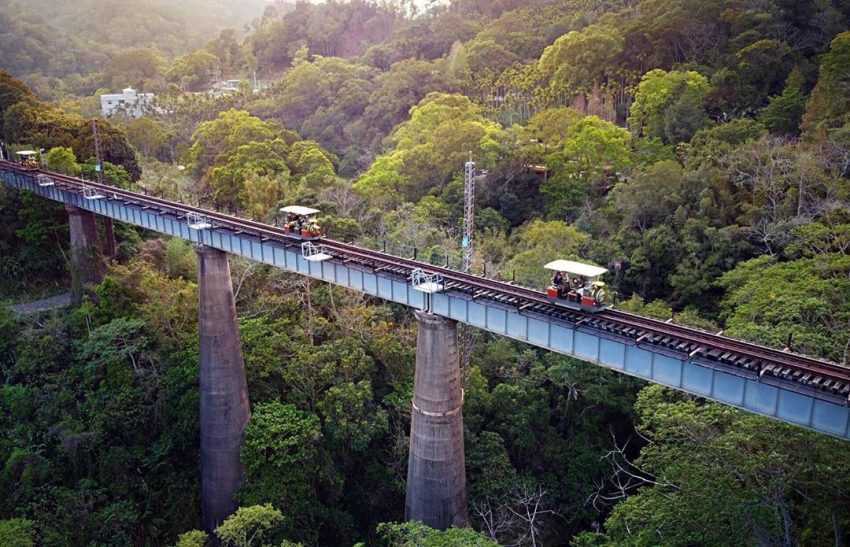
x=793, y=388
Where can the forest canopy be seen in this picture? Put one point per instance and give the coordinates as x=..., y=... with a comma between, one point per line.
x=699, y=150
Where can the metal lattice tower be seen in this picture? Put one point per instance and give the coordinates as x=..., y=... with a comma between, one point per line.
x=468, y=214
x=99, y=167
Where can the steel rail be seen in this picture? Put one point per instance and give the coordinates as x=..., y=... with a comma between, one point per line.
x=659, y=328
x=373, y=258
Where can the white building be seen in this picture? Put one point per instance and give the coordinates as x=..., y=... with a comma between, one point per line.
x=129, y=103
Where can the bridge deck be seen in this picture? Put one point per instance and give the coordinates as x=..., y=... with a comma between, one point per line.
x=792, y=388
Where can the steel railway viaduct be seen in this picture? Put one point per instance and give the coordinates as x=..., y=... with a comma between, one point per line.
x=789, y=387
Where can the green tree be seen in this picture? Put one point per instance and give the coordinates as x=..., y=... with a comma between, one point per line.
x=414, y=534
x=538, y=243
x=352, y=420
x=114, y=146
x=312, y=166
x=594, y=156
x=784, y=113
x=281, y=456
x=195, y=71
x=712, y=473
x=193, y=538
x=652, y=196
x=829, y=104
x=763, y=303
x=215, y=140
x=429, y=148
x=552, y=126
x=139, y=68
x=253, y=176
x=403, y=86
x=62, y=160
x=151, y=138
x=247, y=526
x=579, y=60
x=17, y=533
x=669, y=105
x=12, y=91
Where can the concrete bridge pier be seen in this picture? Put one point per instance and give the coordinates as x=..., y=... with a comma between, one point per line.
x=86, y=265
x=225, y=409
x=436, y=473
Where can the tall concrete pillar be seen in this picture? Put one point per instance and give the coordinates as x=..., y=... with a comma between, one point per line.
x=224, y=391
x=436, y=473
x=86, y=265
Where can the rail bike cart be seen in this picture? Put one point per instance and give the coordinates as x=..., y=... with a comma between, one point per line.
x=577, y=286
x=28, y=159
x=301, y=222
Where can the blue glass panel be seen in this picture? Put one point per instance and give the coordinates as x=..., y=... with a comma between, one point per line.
x=457, y=308
x=355, y=278
x=538, y=332
x=728, y=388
x=303, y=265
x=440, y=304
x=562, y=338
x=400, y=292
x=477, y=314
x=517, y=326
x=385, y=288
x=668, y=370
x=587, y=346
x=830, y=417
x=370, y=283
x=314, y=268
x=794, y=407
x=328, y=271
x=417, y=299
x=497, y=319
x=612, y=353
x=279, y=257
x=761, y=397
x=697, y=379
x=639, y=361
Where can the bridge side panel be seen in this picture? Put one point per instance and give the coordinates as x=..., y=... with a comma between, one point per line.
x=768, y=398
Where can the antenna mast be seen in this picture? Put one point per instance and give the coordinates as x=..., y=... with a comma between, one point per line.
x=110, y=246
x=99, y=166
x=468, y=213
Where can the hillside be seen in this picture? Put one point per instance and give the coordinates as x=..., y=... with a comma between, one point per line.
x=74, y=40
x=699, y=150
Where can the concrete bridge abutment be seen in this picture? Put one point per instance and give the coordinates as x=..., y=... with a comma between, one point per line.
x=436, y=472
x=87, y=268
x=225, y=408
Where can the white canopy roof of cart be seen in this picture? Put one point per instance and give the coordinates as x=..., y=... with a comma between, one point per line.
x=575, y=268
x=299, y=210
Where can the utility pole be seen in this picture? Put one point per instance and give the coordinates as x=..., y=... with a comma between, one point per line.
x=109, y=246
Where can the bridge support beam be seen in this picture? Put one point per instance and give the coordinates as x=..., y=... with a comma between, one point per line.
x=86, y=266
x=225, y=410
x=436, y=473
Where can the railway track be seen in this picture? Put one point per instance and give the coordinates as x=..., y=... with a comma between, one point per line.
x=756, y=360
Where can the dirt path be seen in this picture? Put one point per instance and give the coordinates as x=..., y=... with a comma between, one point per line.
x=46, y=304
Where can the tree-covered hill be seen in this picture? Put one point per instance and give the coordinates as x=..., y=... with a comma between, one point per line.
x=73, y=40
x=698, y=149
